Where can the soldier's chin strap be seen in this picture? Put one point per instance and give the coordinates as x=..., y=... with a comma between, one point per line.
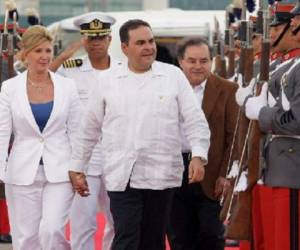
x=281, y=35
x=295, y=31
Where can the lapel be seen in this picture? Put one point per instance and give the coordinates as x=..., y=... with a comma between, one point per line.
x=24, y=101
x=211, y=94
x=25, y=106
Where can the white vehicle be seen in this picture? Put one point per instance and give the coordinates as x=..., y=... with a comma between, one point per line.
x=168, y=27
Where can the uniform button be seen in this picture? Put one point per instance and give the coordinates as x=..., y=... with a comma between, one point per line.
x=291, y=150
x=41, y=139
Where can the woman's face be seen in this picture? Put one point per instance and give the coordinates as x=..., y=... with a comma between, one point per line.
x=39, y=58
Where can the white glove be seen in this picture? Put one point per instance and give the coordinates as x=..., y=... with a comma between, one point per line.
x=242, y=183
x=232, y=79
x=2, y=174
x=284, y=101
x=243, y=92
x=271, y=100
x=234, y=170
x=255, y=104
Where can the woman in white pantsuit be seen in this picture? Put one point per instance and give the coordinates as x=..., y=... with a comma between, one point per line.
x=42, y=110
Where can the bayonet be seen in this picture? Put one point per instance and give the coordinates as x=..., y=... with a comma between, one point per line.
x=259, y=22
x=10, y=55
x=1, y=59
x=15, y=33
x=5, y=32
x=265, y=64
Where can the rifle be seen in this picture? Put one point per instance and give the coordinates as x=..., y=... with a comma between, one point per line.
x=239, y=214
x=57, y=47
x=10, y=56
x=1, y=59
x=229, y=199
x=220, y=61
x=3, y=45
x=245, y=68
x=5, y=32
x=226, y=200
x=11, y=48
x=231, y=56
x=230, y=45
x=253, y=137
x=260, y=18
x=222, y=71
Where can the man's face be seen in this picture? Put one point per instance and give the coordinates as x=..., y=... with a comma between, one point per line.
x=275, y=32
x=96, y=47
x=295, y=23
x=196, y=63
x=140, y=49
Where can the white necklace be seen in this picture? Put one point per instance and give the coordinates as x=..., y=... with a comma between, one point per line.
x=39, y=88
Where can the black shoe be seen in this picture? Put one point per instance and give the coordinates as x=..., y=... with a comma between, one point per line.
x=5, y=238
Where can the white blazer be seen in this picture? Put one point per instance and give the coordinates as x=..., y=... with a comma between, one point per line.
x=54, y=144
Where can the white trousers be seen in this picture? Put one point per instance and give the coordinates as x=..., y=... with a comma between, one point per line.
x=83, y=217
x=38, y=214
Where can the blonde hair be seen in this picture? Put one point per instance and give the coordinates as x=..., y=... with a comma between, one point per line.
x=33, y=37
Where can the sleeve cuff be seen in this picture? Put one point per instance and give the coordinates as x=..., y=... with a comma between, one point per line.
x=200, y=152
x=77, y=166
x=265, y=118
x=1, y=175
x=2, y=171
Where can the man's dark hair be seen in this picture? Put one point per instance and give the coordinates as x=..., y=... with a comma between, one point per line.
x=130, y=25
x=183, y=44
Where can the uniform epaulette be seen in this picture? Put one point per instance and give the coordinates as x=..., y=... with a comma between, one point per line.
x=72, y=63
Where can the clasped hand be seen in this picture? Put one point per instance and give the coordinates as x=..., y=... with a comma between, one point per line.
x=196, y=170
x=79, y=183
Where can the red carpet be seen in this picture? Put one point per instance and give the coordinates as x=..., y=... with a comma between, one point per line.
x=99, y=234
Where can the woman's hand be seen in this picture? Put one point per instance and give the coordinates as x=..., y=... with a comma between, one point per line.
x=79, y=183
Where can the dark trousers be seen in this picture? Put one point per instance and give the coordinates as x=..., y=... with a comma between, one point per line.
x=194, y=219
x=140, y=218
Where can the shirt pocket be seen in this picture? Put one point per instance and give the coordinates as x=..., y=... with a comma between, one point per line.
x=167, y=118
x=165, y=106
x=285, y=151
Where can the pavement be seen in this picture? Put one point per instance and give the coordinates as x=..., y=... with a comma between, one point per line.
x=6, y=247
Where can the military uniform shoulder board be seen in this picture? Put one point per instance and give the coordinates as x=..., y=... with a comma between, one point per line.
x=72, y=63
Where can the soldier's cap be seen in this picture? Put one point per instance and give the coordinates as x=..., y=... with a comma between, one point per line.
x=296, y=11
x=94, y=24
x=282, y=14
x=33, y=17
